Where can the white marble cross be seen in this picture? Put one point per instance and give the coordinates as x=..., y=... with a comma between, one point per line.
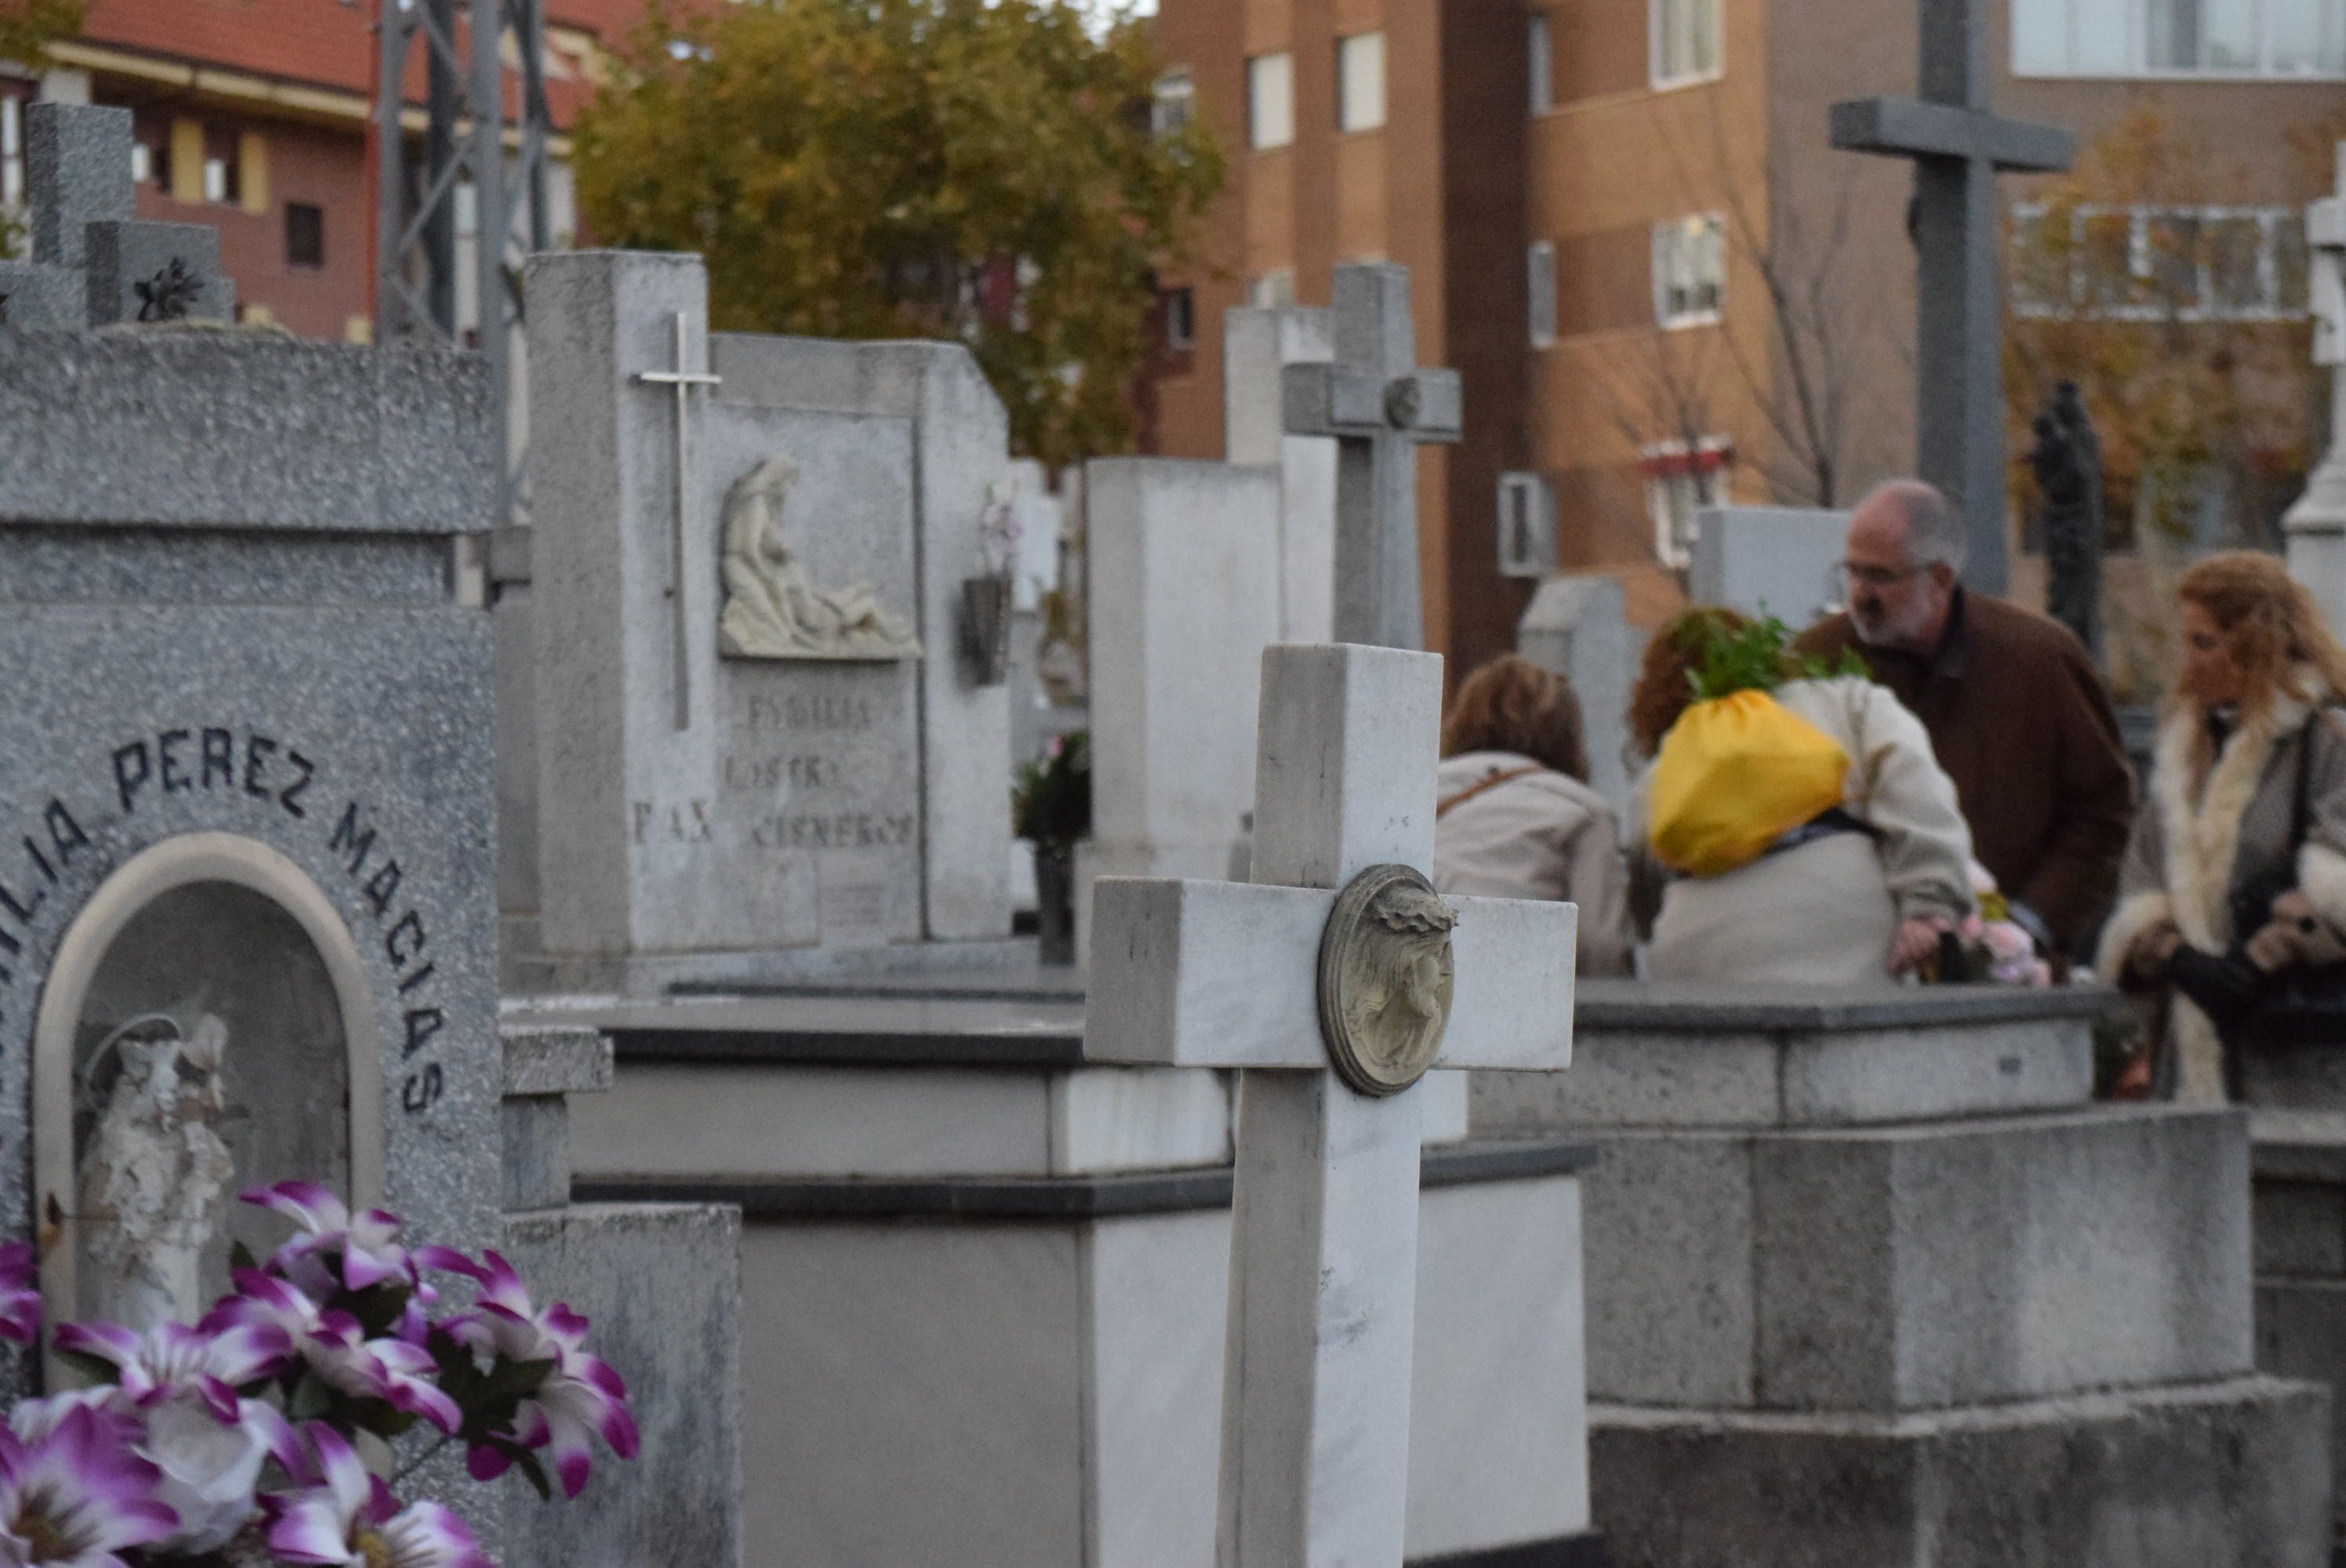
x=683, y=377
x=1378, y=405
x=2325, y=233
x=1323, y=1250
x=2316, y=525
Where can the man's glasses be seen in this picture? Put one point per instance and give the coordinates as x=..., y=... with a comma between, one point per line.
x=1848, y=575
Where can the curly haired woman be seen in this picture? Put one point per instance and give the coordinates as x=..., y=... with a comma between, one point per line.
x=2238, y=868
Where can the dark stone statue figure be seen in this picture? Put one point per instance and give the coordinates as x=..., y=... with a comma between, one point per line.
x=2067, y=461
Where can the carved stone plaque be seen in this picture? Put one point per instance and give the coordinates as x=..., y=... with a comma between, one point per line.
x=1385, y=979
x=773, y=608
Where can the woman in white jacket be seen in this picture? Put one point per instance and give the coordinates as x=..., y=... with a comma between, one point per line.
x=1514, y=818
x=1858, y=895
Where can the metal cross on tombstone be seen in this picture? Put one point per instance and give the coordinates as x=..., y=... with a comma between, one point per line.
x=1378, y=405
x=1959, y=146
x=683, y=377
x=1332, y=982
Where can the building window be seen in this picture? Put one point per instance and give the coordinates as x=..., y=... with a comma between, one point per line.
x=1539, y=280
x=1360, y=82
x=2287, y=38
x=1537, y=55
x=1176, y=100
x=1271, y=101
x=1526, y=525
x=1680, y=482
x=1181, y=320
x=1683, y=40
x=2161, y=263
x=1274, y=289
x=1689, y=272
x=305, y=235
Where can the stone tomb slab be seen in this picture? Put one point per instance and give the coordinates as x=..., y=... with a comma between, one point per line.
x=1701, y=1056
x=1918, y=1266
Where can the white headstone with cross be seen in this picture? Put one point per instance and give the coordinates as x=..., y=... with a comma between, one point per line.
x=2316, y=525
x=1378, y=403
x=756, y=736
x=1330, y=983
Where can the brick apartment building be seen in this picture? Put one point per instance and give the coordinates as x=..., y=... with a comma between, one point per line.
x=1585, y=191
x=251, y=115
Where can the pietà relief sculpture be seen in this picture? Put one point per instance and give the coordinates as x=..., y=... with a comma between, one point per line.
x=772, y=608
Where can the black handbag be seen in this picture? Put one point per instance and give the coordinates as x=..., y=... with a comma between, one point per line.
x=2303, y=1006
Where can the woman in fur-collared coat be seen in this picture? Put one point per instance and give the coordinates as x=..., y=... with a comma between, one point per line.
x=2255, y=717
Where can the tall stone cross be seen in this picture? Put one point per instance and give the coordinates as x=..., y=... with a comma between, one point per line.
x=2316, y=525
x=1959, y=146
x=1378, y=405
x=683, y=377
x=1330, y=983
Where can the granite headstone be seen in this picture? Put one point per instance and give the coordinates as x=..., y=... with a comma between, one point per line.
x=759, y=734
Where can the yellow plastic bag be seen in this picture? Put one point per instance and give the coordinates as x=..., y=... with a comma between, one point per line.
x=1735, y=774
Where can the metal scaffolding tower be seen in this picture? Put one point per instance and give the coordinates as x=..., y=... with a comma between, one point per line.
x=462, y=155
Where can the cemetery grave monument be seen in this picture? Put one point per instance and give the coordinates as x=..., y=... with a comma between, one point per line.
x=247, y=917
x=756, y=703
x=1873, y=1278
x=1331, y=983
x=2316, y=525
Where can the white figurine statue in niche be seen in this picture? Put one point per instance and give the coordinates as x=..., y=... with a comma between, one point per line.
x=772, y=608
x=155, y=1173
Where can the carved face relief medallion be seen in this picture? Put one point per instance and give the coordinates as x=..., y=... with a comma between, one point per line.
x=1404, y=400
x=1385, y=979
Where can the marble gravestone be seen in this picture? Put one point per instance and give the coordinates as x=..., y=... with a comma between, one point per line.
x=247, y=906
x=762, y=732
x=2316, y=525
x=1258, y=343
x=1768, y=560
x=1578, y=628
x=1185, y=594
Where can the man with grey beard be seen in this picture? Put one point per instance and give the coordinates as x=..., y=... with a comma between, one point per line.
x=2017, y=713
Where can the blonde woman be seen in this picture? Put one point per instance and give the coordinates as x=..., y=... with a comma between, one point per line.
x=2237, y=869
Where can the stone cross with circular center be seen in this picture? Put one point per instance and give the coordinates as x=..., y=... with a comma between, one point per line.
x=1379, y=404
x=1959, y=146
x=1337, y=965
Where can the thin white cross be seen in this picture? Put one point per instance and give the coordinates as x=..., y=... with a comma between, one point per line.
x=1324, y=1247
x=683, y=379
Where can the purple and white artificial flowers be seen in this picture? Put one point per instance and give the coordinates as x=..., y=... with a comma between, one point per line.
x=241, y=1431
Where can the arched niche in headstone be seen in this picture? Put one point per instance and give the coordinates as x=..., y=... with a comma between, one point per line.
x=206, y=1025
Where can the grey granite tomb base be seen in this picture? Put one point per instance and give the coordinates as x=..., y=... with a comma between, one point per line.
x=2299, y=1211
x=1870, y=1280
x=2231, y=1475
x=660, y=1285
